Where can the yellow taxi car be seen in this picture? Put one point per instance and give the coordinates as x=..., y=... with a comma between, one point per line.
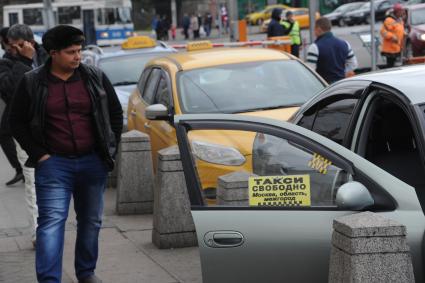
x=300, y=14
x=258, y=82
x=257, y=18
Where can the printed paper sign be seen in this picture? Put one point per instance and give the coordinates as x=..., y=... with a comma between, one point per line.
x=286, y=190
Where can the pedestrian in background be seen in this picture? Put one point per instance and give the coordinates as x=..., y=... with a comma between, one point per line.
x=24, y=54
x=208, y=24
x=194, y=24
x=67, y=117
x=392, y=33
x=275, y=28
x=6, y=140
x=292, y=28
x=186, y=26
x=331, y=57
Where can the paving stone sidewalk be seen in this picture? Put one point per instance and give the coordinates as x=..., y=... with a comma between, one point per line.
x=127, y=254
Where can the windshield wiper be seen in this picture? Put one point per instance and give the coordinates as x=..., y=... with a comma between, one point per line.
x=124, y=83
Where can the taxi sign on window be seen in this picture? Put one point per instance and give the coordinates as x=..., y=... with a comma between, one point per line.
x=199, y=45
x=138, y=42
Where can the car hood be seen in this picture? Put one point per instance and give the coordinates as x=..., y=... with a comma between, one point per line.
x=333, y=15
x=123, y=93
x=356, y=12
x=419, y=28
x=254, y=15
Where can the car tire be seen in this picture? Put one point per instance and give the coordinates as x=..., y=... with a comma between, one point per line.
x=341, y=22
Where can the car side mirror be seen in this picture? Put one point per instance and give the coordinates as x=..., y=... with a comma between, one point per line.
x=353, y=196
x=157, y=112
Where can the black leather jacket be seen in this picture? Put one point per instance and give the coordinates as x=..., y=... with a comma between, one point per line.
x=28, y=108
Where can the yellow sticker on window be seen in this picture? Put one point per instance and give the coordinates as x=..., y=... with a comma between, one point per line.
x=287, y=190
x=319, y=163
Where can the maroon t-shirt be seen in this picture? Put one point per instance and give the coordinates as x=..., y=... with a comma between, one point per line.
x=68, y=120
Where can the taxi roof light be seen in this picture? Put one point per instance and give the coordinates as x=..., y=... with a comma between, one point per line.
x=136, y=42
x=199, y=45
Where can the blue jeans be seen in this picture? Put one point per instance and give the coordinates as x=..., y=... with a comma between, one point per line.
x=56, y=179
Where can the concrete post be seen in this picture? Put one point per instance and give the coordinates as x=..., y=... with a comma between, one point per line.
x=232, y=189
x=366, y=247
x=173, y=225
x=174, y=13
x=135, y=174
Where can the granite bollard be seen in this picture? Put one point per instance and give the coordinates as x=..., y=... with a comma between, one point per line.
x=173, y=225
x=232, y=189
x=135, y=174
x=367, y=247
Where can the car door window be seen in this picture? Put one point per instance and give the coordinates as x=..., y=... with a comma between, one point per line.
x=162, y=95
x=275, y=171
x=330, y=118
x=384, y=6
x=151, y=85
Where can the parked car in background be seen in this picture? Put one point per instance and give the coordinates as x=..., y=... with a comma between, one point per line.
x=415, y=44
x=337, y=16
x=258, y=82
x=362, y=14
x=300, y=14
x=123, y=67
x=257, y=18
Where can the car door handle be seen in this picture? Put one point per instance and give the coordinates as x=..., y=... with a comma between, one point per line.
x=223, y=239
x=147, y=125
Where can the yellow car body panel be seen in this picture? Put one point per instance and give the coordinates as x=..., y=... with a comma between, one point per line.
x=261, y=16
x=162, y=133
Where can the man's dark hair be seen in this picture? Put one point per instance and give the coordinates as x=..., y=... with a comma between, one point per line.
x=61, y=37
x=324, y=24
x=289, y=13
x=20, y=31
x=3, y=35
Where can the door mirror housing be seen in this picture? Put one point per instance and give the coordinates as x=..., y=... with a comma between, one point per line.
x=353, y=196
x=157, y=112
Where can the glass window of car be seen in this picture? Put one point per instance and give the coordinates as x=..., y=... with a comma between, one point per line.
x=33, y=16
x=330, y=119
x=125, y=70
x=267, y=170
x=247, y=87
x=162, y=95
x=384, y=5
x=151, y=84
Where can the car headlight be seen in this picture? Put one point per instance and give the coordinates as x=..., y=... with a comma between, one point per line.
x=421, y=36
x=104, y=34
x=218, y=154
x=360, y=14
x=128, y=33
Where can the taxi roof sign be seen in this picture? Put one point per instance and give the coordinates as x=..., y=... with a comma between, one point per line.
x=138, y=42
x=199, y=45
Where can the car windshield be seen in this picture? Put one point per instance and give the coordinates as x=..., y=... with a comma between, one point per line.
x=246, y=87
x=417, y=16
x=124, y=70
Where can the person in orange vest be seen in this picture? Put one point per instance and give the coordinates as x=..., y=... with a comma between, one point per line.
x=392, y=33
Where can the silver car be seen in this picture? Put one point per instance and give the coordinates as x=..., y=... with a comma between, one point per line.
x=274, y=224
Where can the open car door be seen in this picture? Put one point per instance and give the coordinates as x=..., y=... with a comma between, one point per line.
x=272, y=222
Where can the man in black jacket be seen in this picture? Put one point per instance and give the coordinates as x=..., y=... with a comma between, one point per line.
x=275, y=28
x=6, y=140
x=67, y=117
x=23, y=54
